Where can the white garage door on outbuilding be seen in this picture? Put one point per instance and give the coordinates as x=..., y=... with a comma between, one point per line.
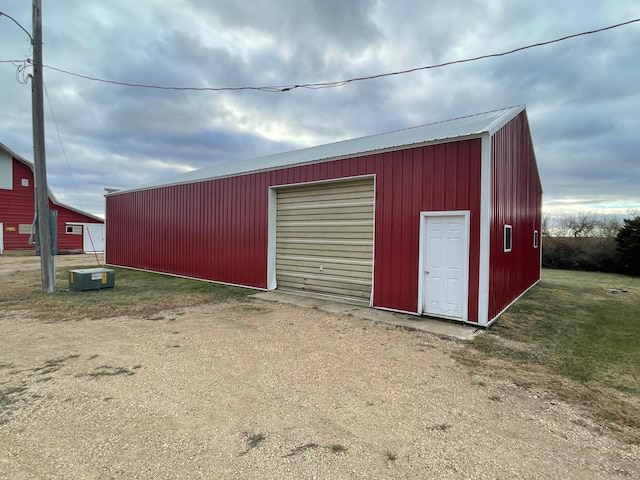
x=324, y=238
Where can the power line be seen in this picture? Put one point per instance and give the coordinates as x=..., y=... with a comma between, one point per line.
x=467, y=60
x=286, y=88
x=18, y=24
x=161, y=87
x=339, y=83
x=64, y=154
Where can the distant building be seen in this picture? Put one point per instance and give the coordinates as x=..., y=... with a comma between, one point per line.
x=78, y=231
x=440, y=220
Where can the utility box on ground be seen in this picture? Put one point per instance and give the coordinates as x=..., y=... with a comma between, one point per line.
x=91, y=279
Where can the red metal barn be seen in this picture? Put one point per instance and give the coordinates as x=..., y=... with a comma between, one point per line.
x=440, y=220
x=77, y=231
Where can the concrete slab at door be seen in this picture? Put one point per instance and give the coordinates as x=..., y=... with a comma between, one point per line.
x=445, y=266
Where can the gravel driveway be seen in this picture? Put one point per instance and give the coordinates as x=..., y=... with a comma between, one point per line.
x=261, y=390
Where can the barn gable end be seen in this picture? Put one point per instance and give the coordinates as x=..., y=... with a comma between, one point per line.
x=17, y=209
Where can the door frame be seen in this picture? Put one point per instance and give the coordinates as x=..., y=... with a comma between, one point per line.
x=421, y=257
x=1, y=238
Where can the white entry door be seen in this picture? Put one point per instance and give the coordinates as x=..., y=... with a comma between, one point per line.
x=444, y=267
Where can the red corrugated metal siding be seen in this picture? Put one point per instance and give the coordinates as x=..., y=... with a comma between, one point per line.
x=517, y=201
x=217, y=229
x=69, y=241
x=17, y=207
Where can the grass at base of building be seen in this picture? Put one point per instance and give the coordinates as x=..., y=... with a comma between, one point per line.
x=137, y=293
x=576, y=334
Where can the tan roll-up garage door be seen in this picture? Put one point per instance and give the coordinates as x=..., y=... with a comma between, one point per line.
x=324, y=238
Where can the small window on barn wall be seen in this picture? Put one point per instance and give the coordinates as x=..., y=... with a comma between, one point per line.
x=74, y=229
x=507, y=238
x=535, y=239
x=25, y=229
x=25, y=182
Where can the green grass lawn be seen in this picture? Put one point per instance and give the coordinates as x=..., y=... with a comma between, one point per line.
x=136, y=293
x=572, y=325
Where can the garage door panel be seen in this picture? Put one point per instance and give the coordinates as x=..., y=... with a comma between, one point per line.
x=345, y=257
x=328, y=225
x=327, y=228
x=326, y=249
x=342, y=260
x=326, y=214
x=328, y=270
x=334, y=198
x=291, y=235
x=327, y=287
x=363, y=207
x=330, y=190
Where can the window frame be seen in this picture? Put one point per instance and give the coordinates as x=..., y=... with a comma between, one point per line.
x=507, y=238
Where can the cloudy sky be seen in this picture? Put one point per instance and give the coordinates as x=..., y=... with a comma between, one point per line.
x=582, y=95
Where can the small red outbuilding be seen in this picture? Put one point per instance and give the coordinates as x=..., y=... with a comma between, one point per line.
x=78, y=231
x=441, y=220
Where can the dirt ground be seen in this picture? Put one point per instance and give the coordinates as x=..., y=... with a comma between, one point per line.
x=257, y=390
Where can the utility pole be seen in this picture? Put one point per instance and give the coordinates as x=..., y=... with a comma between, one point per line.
x=47, y=261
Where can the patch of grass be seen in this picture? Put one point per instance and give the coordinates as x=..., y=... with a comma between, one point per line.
x=253, y=441
x=301, y=449
x=337, y=448
x=583, y=330
x=572, y=327
x=9, y=395
x=107, y=371
x=441, y=427
x=256, y=309
x=140, y=294
x=391, y=456
x=53, y=365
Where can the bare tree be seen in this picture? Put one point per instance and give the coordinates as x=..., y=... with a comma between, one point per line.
x=545, y=225
x=607, y=226
x=577, y=224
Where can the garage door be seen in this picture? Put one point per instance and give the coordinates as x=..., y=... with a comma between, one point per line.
x=324, y=239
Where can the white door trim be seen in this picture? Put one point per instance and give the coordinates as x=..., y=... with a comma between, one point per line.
x=421, y=257
x=1, y=238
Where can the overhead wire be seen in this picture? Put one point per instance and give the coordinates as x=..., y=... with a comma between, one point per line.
x=332, y=84
x=64, y=154
x=339, y=83
x=18, y=24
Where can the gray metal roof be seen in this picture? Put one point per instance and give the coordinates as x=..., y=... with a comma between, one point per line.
x=473, y=125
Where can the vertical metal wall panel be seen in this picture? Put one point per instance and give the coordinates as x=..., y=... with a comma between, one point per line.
x=516, y=201
x=230, y=236
x=17, y=207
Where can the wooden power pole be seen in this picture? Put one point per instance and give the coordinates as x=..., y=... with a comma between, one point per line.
x=47, y=261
